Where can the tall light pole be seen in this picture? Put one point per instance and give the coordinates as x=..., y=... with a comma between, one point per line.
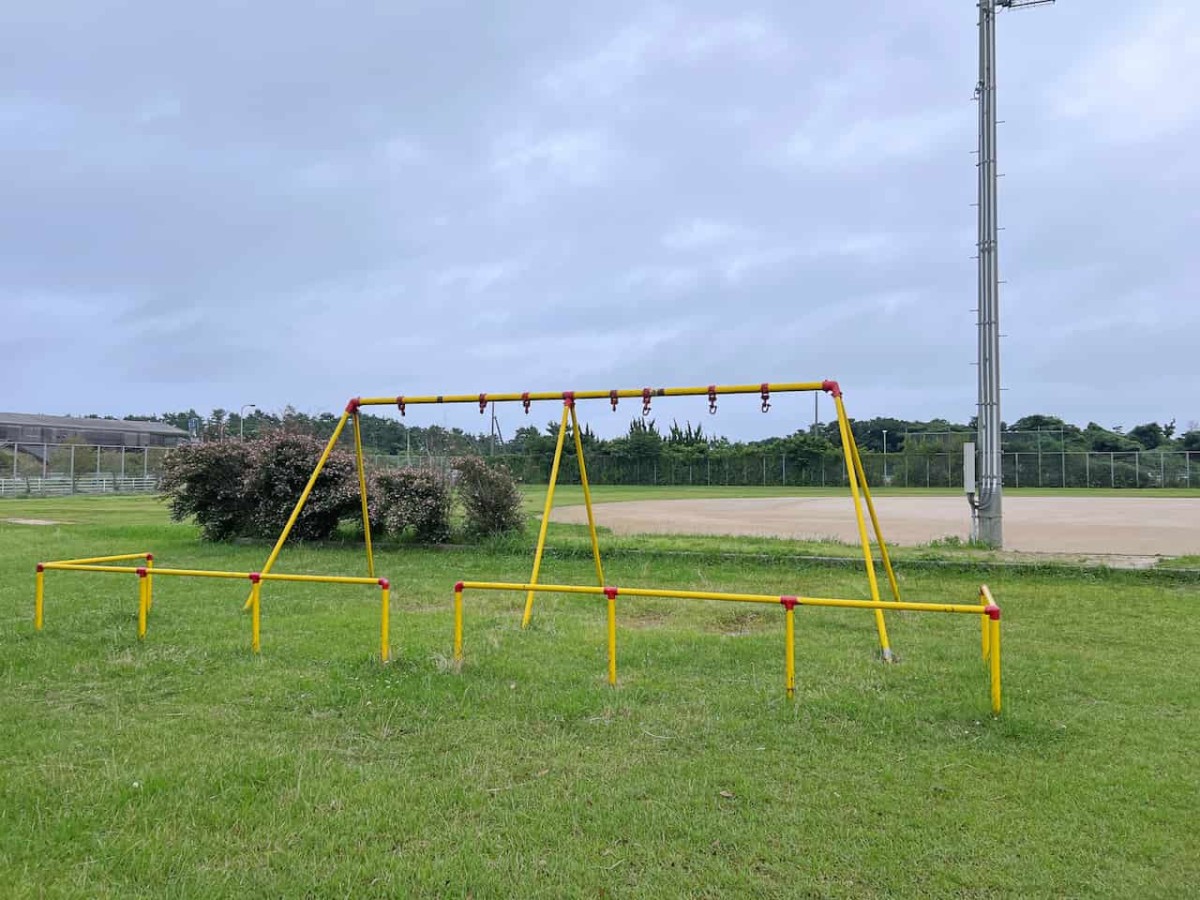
x=242, y=420
x=987, y=524
x=885, y=481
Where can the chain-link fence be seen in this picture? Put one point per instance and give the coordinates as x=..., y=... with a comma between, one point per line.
x=1144, y=469
x=52, y=469
x=56, y=469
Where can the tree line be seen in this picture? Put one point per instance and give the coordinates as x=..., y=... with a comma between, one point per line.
x=645, y=439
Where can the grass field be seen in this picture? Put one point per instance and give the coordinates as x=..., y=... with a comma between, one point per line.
x=186, y=767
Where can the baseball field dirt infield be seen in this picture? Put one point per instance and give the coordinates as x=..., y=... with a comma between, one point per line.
x=1134, y=525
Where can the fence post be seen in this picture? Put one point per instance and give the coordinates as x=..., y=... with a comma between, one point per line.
x=1087, y=469
x=1137, y=468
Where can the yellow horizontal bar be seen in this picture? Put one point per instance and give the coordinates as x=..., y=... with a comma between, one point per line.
x=972, y=609
x=100, y=559
x=320, y=579
x=207, y=573
x=625, y=393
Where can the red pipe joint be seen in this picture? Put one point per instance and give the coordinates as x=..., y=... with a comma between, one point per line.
x=353, y=405
x=41, y=567
x=458, y=587
x=254, y=577
x=384, y=583
x=149, y=557
x=993, y=612
x=788, y=603
x=610, y=593
x=141, y=571
x=569, y=399
x=831, y=387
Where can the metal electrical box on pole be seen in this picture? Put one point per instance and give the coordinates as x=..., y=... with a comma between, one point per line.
x=987, y=522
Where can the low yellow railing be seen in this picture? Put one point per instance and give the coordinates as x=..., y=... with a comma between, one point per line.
x=146, y=573
x=986, y=609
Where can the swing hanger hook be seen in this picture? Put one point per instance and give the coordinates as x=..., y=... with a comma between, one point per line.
x=712, y=399
x=766, y=396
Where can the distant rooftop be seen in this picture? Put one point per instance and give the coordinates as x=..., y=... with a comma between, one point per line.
x=79, y=423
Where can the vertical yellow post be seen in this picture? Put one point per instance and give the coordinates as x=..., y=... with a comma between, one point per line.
x=789, y=644
x=362, y=490
x=994, y=654
x=611, y=594
x=984, y=621
x=255, y=613
x=149, y=582
x=587, y=497
x=883, y=550
x=39, y=596
x=385, y=649
x=458, y=623
x=541, y=541
x=312, y=480
x=851, y=474
x=143, y=602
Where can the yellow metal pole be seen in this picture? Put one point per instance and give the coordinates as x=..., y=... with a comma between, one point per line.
x=985, y=601
x=783, y=387
x=362, y=490
x=458, y=622
x=541, y=542
x=385, y=651
x=847, y=452
x=611, y=594
x=883, y=550
x=149, y=582
x=255, y=615
x=39, y=596
x=312, y=480
x=143, y=603
x=789, y=650
x=587, y=496
x=994, y=621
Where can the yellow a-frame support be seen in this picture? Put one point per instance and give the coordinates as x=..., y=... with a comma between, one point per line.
x=855, y=474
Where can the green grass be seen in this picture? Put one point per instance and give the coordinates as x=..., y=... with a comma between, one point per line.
x=184, y=766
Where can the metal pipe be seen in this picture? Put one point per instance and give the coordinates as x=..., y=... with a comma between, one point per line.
x=545, y=524
x=624, y=393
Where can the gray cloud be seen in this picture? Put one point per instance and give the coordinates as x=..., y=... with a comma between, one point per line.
x=292, y=203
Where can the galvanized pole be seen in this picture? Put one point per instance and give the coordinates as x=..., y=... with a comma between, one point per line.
x=987, y=523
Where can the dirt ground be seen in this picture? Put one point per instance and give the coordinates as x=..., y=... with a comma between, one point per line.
x=1134, y=525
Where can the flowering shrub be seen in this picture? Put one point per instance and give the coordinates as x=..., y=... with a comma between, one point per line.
x=206, y=481
x=416, y=498
x=279, y=466
x=490, y=497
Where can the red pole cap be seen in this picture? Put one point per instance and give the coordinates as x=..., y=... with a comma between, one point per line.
x=458, y=587
x=993, y=612
x=384, y=583
x=141, y=571
x=788, y=603
x=41, y=567
x=354, y=404
x=610, y=593
x=255, y=577
x=831, y=387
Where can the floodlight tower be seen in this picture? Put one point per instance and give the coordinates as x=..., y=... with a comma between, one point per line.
x=987, y=525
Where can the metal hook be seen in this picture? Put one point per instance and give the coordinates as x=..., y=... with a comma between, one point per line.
x=712, y=399
x=766, y=396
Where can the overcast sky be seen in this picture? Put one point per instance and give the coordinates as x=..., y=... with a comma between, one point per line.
x=225, y=203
